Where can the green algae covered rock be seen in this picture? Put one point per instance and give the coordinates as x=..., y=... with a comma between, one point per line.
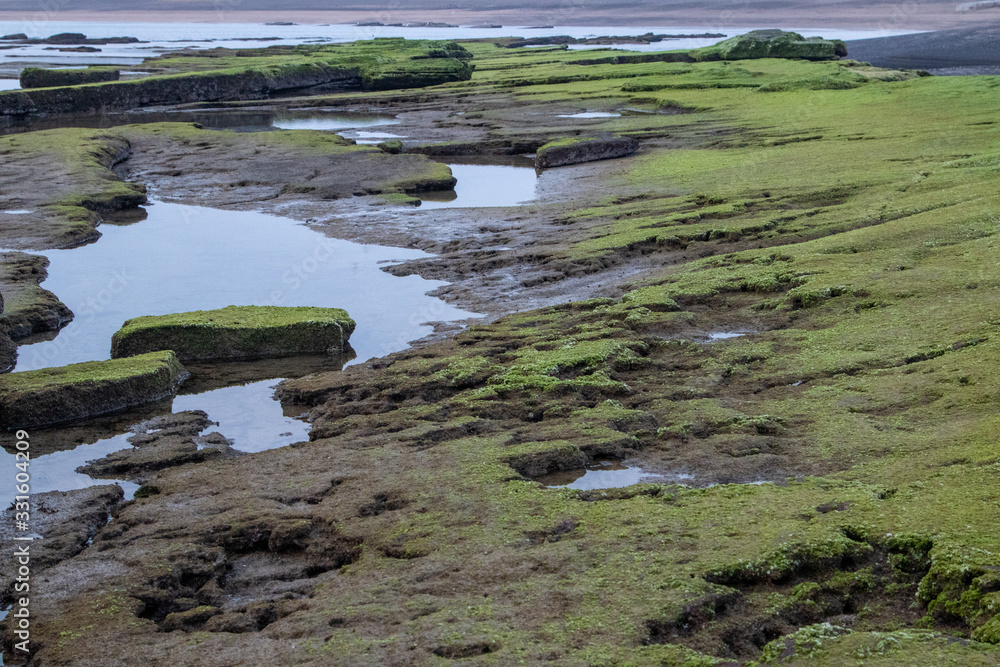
x=77, y=391
x=237, y=333
x=574, y=150
x=772, y=44
x=988, y=633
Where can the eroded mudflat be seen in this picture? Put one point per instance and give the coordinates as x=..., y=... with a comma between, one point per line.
x=825, y=479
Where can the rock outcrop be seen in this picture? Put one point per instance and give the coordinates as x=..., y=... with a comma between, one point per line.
x=386, y=64
x=588, y=149
x=163, y=442
x=772, y=44
x=237, y=332
x=28, y=308
x=65, y=521
x=67, y=393
x=37, y=77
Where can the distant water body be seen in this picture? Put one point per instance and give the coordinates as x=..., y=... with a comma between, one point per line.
x=162, y=37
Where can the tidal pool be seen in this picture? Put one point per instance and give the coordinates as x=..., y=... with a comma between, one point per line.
x=183, y=258
x=487, y=185
x=726, y=335
x=248, y=415
x=600, y=475
x=57, y=471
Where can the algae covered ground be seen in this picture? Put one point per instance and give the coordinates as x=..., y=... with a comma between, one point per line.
x=827, y=486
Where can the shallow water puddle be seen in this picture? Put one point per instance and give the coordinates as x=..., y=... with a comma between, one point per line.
x=314, y=120
x=726, y=335
x=363, y=137
x=590, y=114
x=57, y=471
x=601, y=475
x=486, y=185
x=184, y=258
x=248, y=415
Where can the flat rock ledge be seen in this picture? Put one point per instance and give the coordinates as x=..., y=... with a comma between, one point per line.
x=62, y=523
x=588, y=149
x=68, y=393
x=162, y=442
x=237, y=333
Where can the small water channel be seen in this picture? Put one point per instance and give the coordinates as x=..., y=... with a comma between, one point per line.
x=183, y=258
x=238, y=120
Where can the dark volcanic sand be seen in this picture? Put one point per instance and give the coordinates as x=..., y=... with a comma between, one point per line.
x=961, y=51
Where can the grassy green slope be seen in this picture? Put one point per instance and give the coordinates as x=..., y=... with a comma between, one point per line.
x=870, y=373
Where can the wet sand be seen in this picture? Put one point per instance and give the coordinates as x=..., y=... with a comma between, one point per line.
x=961, y=51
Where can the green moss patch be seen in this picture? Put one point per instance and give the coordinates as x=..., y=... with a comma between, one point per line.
x=575, y=150
x=237, y=332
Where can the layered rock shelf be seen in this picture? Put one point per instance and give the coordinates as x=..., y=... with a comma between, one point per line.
x=237, y=332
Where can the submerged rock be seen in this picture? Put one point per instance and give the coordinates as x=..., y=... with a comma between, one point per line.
x=237, y=332
x=67, y=393
x=576, y=150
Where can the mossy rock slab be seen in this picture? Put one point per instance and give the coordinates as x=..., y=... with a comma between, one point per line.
x=237, y=332
x=37, y=77
x=772, y=44
x=588, y=149
x=67, y=393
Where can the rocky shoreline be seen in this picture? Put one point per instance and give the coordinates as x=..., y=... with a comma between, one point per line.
x=726, y=303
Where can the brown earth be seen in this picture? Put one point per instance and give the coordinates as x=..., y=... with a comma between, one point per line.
x=29, y=310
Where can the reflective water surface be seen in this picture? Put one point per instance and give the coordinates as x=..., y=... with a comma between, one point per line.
x=184, y=258
x=487, y=185
x=600, y=475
